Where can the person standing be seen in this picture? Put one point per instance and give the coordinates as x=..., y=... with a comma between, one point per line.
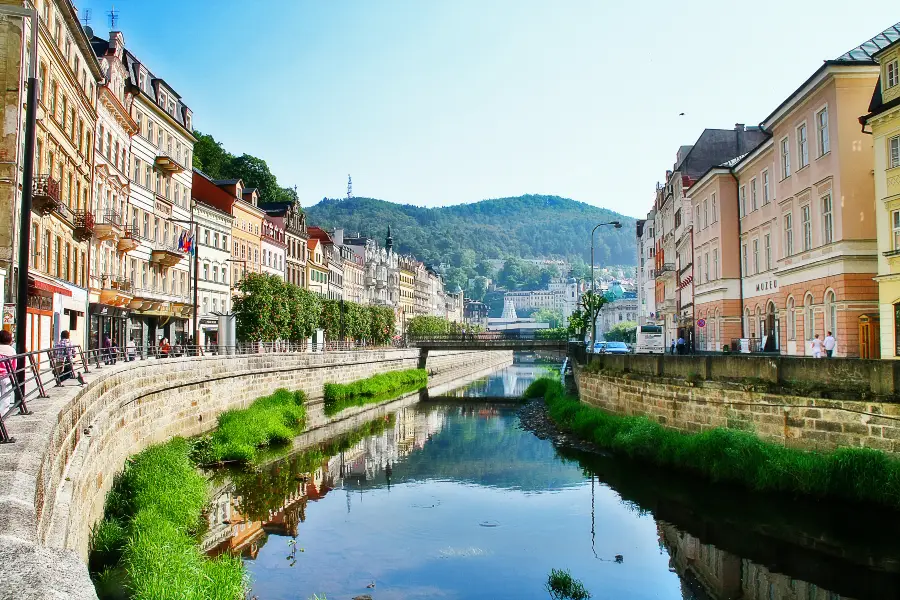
x=680, y=345
x=672, y=350
x=64, y=353
x=106, y=349
x=829, y=344
x=130, y=349
x=816, y=347
x=7, y=368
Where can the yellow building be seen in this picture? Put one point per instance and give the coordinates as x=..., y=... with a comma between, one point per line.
x=61, y=222
x=246, y=231
x=407, y=307
x=883, y=122
x=316, y=269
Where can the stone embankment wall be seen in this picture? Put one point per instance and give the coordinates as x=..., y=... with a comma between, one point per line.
x=693, y=405
x=55, y=477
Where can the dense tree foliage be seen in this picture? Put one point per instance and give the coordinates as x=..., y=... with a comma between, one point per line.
x=428, y=325
x=211, y=158
x=268, y=309
x=529, y=226
x=548, y=315
x=625, y=331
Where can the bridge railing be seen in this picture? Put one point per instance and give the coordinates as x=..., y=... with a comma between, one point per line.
x=25, y=378
x=486, y=336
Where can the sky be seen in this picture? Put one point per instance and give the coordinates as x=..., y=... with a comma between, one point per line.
x=434, y=103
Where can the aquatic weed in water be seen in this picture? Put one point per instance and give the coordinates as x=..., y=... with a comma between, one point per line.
x=562, y=586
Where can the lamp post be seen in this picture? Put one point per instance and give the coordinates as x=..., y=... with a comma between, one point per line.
x=616, y=225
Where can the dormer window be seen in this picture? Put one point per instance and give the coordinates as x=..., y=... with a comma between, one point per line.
x=171, y=107
x=142, y=79
x=893, y=76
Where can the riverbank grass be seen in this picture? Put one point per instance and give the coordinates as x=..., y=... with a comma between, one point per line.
x=147, y=541
x=340, y=396
x=856, y=474
x=270, y=420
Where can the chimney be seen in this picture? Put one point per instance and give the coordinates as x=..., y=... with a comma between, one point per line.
x=338, y=237
x=739, y=127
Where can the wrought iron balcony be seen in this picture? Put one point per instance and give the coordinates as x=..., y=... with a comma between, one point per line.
x=166, y=255
x=165, y=162
x=84, y=225
x=46, y=195
x=108, y=225
x=129, y=238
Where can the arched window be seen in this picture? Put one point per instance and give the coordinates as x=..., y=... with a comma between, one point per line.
x=830, y=311
x=759, y=323
x=717, y=331
x=745, y=332
x=791, y=319
x=808, y=317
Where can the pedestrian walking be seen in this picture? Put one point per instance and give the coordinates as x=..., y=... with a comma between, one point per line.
x=7, y=368
x=829, y=344
x=816, y=346
x=64, y=352
x=130, y=350
x=672, y=349
x=106, y=349
x=680, y=345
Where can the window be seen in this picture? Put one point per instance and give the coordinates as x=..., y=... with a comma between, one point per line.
x=755, y=256
x=765, y=186
x=830, y=312
x=715, y=271
x=54, y=95
x=788, y=234
x=744, y=259
x=895, y=151
x=742, y=201
x=65, y=111
x=893, y=76
x=137, y=170
x=806, y=223
x=822, y=131
x=141, y=79
x=753, y=202
x=43, y=83
x=205, y=271
x=767, y=245
x=895, y=221
x=706, y=213
x=827, y=220
x=715, y=216
x=803, y=145
x=215, y=273
x=706, y=267
x=808, y=318
x=785, y=158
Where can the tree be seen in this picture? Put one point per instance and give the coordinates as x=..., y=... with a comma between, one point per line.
x=578, y=324
x=548, y=315
x=626, y=331
x=210, y=157
x=254, y=172
x=478, y=289
x=592, y=303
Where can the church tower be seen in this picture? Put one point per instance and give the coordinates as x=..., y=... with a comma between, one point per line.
x=389, y=242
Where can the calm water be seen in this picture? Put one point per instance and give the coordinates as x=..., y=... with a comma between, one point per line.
x=450, y=499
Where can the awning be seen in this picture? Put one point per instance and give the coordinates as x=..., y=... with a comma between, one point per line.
x=39, y=283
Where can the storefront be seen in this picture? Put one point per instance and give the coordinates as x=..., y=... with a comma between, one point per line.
x=154, y=321
x=108, y=320
x=52, y=307
x=209, y=332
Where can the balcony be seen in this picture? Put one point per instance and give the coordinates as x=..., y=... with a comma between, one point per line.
x=164, y=162
x=116, y=291
x=84, y=225
x=45, y=197
x=129, y=239
x=166, y=255
x=108, y=226
x=370, y=281
x=666, y=270
x=160, y=300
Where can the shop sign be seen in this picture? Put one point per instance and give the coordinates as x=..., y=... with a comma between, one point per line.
x=765, y=286
x=163, y=208
x=9, y=314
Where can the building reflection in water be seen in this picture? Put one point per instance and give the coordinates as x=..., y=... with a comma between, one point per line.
x=708, y=573
x=248, y=506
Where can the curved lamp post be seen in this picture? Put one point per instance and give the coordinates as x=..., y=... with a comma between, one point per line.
x=616, y=225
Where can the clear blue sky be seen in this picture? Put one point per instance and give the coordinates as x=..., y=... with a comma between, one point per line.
x=439, y=102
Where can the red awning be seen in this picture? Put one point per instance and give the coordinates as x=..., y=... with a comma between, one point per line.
x=47, y=286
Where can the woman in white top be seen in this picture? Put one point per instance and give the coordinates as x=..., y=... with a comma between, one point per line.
x=817, y=347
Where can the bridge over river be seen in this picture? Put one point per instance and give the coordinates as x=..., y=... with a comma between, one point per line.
x=489, y=340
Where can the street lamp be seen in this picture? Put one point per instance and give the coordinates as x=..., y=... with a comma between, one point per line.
x=616, y=225
x=196, y=268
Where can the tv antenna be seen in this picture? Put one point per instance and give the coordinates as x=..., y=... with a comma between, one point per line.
x=349, y=187
x=113, y=16
x=86, y=17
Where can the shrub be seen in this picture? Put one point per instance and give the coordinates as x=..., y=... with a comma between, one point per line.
x=729, y=455
x=339, y=396
x=270, y=420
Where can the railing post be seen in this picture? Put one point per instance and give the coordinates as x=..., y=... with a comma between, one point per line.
x=84, y=361
x=37, y=377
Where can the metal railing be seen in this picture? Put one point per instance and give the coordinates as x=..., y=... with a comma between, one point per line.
x=487, y=336
x=25, y=378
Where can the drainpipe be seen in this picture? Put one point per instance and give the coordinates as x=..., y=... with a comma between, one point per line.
x=740, y=254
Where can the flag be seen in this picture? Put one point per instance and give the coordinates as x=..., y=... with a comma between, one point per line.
x=181, y=242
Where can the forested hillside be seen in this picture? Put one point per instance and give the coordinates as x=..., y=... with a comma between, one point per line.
x=525, y=226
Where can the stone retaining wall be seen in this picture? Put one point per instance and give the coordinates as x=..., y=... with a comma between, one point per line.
x=55, y=477
x=797, y=421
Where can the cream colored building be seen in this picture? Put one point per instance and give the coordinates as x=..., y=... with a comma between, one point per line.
x=883, y=122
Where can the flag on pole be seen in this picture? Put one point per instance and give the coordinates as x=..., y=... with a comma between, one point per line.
x=181, y=242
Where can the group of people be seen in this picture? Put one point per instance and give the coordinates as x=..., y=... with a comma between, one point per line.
x=679, y=346
x=819, y=346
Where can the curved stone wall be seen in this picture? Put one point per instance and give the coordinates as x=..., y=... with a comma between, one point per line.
x=54, y=478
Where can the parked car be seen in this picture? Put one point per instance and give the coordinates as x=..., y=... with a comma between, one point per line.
x=599, y=347
x=615, y=348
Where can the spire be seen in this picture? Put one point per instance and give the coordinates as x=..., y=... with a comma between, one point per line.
x=389, y=242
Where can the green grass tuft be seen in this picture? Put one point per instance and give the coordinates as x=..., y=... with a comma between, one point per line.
x=270, y=420
x=729, y=455
x=153, y=519
x=340, y=396
x=562, y=586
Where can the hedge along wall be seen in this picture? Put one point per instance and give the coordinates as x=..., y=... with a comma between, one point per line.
x=793, y=420
x=55, y=477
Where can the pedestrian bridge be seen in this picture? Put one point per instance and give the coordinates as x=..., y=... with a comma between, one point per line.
x=489, y=340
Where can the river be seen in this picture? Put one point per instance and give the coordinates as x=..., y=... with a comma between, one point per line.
x=450, y=498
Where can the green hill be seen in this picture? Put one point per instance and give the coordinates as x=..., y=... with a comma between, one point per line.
x=525, y=226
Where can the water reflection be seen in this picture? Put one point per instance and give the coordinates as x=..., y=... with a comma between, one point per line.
x=454, y=500
x=509, y=382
